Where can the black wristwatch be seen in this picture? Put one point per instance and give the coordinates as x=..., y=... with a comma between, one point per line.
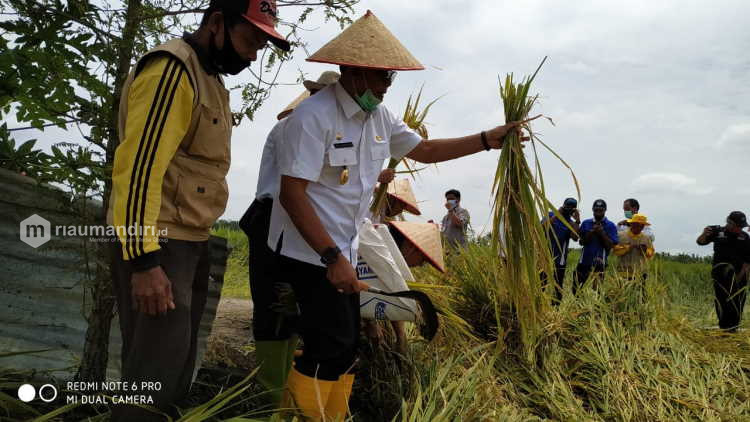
x=330, y=255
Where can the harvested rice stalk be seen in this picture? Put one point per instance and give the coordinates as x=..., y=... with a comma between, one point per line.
x=415, y=120
x=519, y=202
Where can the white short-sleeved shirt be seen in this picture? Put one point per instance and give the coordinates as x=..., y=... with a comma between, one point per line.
x=268, y=177
x=327, y=133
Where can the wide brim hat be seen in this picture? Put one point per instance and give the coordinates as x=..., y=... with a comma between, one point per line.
x=640, y=219
x=367, y=43
x=290, y=108
x=426, y=237
x=326, y=78
x=400, y=190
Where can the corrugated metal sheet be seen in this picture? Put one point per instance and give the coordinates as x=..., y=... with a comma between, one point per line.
x=41, y=289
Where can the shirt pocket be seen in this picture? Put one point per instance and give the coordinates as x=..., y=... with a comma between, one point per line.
x=339, y=155
x=200, y=201
x=342, y=154
x=380, y=150
x=211, y=139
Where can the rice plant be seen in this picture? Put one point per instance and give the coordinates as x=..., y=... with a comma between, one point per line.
x=414, y=118
x=519, y=202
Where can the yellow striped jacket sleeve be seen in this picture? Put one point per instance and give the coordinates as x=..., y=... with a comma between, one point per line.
x=160, y=103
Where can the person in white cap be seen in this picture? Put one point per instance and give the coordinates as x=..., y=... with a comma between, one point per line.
x=335, y=145
x=274, y=308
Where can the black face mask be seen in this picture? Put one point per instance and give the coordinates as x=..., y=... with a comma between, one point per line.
x=227, y=60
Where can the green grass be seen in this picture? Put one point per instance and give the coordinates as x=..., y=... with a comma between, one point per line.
x=236, y=284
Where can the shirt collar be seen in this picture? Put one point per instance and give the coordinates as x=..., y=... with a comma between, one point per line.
x=348, y=105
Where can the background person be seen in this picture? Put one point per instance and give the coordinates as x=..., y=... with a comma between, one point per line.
x=399, y=198
x=630, y=207
x=386, y=254
x=559, y=236
x=634, y=248
x=731, y=263
x=456, y=221
x=597, y=236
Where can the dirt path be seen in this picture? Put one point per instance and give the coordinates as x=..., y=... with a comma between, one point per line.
x=229, y=343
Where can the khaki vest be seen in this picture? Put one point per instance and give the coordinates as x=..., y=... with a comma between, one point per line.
x=194, y=190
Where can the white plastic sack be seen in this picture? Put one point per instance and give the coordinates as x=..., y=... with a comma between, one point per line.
x=381, y=265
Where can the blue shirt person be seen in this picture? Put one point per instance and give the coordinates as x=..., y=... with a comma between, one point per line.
x=597, y=236
x=559, y=235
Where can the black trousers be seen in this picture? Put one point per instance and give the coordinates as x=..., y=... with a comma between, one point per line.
x=730, y=295
x=270, y=300
x=162, y=348
x=583, y=272
x=328, y=323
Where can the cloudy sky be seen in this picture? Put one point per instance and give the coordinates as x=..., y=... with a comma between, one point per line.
x=650, y=100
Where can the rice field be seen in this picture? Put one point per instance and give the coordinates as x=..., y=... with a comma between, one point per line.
x=626, y=352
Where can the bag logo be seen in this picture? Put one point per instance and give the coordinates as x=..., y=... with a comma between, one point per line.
x=380, y=311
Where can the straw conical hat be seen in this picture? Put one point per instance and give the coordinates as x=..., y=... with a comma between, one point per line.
x=367, y=43
x=290, y=108
x=401, y=190
x=426, y=237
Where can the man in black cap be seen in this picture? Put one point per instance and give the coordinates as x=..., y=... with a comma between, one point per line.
x=731, y=264
x=597, y=236
x=559, y=235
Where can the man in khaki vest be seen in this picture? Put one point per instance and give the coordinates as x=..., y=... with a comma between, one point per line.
x=169, y=188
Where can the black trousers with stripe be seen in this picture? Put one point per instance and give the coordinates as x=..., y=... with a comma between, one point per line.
x=329, y=320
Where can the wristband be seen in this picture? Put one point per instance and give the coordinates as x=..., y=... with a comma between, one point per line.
x=484, y=141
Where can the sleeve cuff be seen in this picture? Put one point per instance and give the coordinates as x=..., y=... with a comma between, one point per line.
x=145, y=262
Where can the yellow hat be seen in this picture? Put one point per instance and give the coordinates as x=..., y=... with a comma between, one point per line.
x=426, y=237
x=640, y=219
x=326, y=78
x=400, y=189
x=367, y=43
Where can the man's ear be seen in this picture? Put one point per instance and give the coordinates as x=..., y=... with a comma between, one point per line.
x=216, y=26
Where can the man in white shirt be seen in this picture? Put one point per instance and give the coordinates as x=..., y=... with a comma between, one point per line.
x=273, y=325
x=335, y=144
